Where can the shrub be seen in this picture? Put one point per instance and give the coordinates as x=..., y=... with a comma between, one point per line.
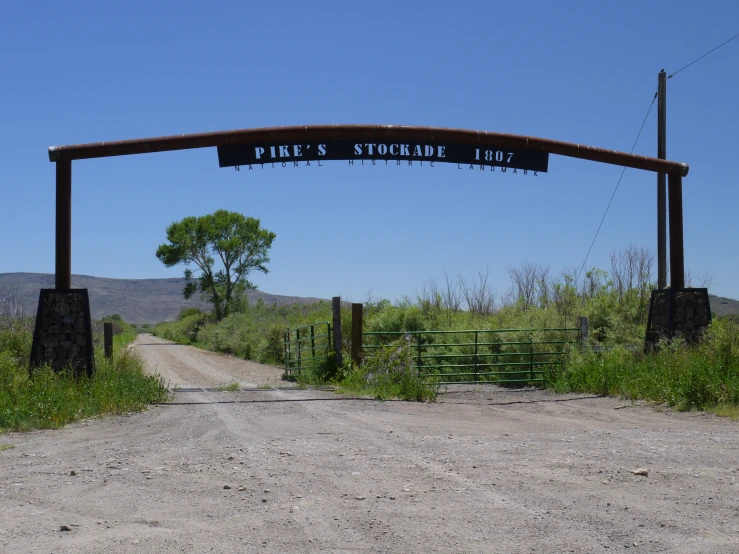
x=681, y=376
x=273, y=347
x=390, y=373
x=50, y=399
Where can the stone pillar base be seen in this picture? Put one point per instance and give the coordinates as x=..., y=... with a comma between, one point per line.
x=677, y=313
x=63, y=334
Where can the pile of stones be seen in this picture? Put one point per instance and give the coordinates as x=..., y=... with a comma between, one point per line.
x=63, y=336
x=678, y=313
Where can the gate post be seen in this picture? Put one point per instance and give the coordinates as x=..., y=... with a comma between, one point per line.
x=62, y=336
x=677, y=260
x=678, y=311
x=357, y=334
x=584, y=332
x=108, y=338
x=63, y=263
x=336, y=307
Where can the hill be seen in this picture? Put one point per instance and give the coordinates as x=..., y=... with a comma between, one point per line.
x=154, y=300
x=136, y=300
x=723, y=306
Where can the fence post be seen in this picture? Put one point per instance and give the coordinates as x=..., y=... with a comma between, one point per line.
x=531, y=357
x=312, y=347
x=297, y=343
x=108, y=338
x=584, y=331
x=475, y=356
x=285, y=338
x=418, y=361
x=357, y=334
x=336, y=307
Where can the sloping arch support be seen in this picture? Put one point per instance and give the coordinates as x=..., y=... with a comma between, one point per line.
x=363, y=133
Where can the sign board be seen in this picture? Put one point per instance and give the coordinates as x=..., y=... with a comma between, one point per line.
x=345, y=149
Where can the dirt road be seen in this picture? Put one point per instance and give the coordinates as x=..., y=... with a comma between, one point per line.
x=186, y=367
x=486, y=470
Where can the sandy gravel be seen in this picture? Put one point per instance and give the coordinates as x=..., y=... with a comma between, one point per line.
x=482, y=470
x=188, y=367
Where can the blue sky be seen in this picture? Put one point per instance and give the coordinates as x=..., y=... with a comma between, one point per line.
x=585, y=72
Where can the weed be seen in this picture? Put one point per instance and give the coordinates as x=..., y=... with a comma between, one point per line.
x=50, y=399
x=682, y=378
x=723, y=410
x=390, y=373
x=6, y=447
x=685, y=378
x=233, y=387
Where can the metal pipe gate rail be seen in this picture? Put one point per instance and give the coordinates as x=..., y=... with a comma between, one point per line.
x=484, y=355
x=306, y=346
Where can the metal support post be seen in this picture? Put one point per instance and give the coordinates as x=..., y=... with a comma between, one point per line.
x=677, y=260
x=63, y=225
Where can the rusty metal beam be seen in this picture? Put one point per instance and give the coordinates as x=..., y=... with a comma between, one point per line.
x=63, y=263
x=677, y=259
x=362, y=132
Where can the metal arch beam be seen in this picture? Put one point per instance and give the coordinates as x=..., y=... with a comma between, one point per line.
x=362, y=132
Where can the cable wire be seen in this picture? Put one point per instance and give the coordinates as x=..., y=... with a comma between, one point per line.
x=703, y=56
x=623, y=170
x=577, y=279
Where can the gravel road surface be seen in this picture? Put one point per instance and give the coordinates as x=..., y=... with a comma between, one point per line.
x=188, y=367
x=483, y=470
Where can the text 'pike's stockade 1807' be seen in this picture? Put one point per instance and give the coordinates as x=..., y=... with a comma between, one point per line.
x=343, y=149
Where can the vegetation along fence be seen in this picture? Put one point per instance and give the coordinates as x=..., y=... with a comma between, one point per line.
x=483, y=356
x=307, y=346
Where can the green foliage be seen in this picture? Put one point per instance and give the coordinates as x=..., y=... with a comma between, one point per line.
x=15, y=339
x=237, y=241
x=704, y=378
x=273, y=347
x=49, y=399
x=112, y=317
x=184, y=330
x=323, y=372
x=684, y=377
x=254, y=332
x=390, y=373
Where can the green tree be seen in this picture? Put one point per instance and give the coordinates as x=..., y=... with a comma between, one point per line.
x=236, y=241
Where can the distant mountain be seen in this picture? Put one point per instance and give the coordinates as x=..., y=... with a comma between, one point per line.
x=136, y=300
x=723, y=306
x=154, y=300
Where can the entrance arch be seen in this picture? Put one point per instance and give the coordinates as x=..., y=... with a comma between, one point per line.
x=307, y=143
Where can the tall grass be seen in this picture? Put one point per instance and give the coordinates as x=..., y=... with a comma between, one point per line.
x=390, y=373
x=254, y=332
x=48, y=399
x=701, y=377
